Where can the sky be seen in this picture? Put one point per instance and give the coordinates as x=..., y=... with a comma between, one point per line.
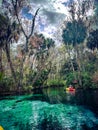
x=50, y=17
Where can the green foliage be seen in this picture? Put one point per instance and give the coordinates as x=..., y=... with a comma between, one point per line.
x=40, y=79
x=87, y=80
x=49, y=43
x=90, y=67
x=1, y=76
x=43, y=77
x=74, y=33
x=27, y=88
x=45, y=43
x=3, y=29
x=7, y=83
x=67, y=67
x=8, y=30
x=56, y=82
x=70, y=78
x=92, y=42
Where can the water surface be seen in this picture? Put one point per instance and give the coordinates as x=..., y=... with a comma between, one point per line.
x=50, y=110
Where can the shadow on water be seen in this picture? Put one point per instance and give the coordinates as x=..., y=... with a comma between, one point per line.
x=88, y=98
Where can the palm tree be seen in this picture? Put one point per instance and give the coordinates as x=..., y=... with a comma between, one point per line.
x=2, y=32
x=75, y=32
x=8, y=32
x=42, y=54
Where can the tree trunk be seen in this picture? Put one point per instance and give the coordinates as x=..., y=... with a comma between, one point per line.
x=1, y=67
x=79, y=65
x=21, y=74
x=10, y=63
x=71, y=63
x=26, y=46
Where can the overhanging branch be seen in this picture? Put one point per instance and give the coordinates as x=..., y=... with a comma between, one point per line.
x=33, y=22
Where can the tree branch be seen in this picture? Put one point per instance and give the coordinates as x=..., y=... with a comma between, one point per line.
x=15, y=5
x=33, y=22
x=15, y=9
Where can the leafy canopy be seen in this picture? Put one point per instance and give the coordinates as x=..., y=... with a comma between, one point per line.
x=74, y=33
x=92, y=41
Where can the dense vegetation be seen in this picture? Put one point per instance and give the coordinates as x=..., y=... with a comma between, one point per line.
x=38, y=62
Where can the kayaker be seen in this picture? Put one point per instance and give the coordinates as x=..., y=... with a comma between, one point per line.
x=70, y=86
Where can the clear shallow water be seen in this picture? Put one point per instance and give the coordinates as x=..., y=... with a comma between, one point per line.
x=30, y=113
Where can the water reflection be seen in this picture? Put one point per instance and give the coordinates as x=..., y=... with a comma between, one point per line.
x=59, y=95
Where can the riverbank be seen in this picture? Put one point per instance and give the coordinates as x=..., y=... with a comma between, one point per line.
x=23, y=92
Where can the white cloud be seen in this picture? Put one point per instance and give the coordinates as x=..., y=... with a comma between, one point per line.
x=60, y=8
x=50, y=16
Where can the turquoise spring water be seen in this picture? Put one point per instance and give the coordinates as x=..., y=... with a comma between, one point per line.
x=26, y=113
